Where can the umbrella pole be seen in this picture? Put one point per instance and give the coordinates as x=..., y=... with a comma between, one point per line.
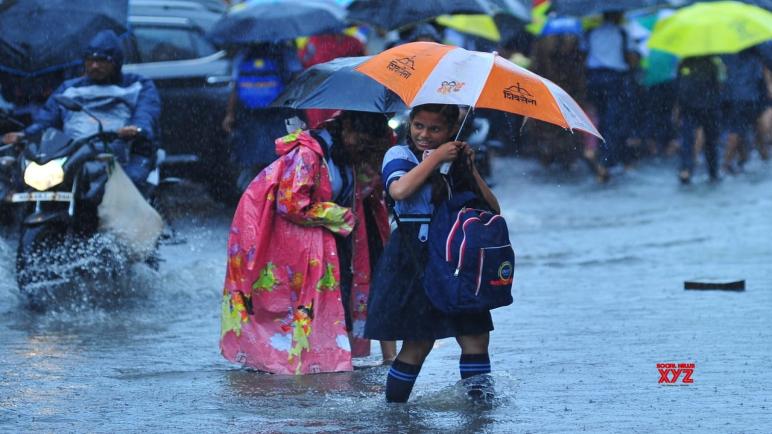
x=445, y=168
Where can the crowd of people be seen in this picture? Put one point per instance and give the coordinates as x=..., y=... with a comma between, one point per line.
x=710, y=102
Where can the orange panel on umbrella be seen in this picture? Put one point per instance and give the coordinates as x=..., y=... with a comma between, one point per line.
x=406, y=67
x=486, y=80
x=521, y=92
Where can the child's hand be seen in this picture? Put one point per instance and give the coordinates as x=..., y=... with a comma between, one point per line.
x=468, y=151
x=447, y=151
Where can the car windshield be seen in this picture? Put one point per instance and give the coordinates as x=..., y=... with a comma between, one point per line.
x=164, y=44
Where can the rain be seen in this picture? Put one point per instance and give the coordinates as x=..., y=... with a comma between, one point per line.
x=609, y=240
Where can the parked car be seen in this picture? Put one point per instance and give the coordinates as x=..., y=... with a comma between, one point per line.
x=167, y=45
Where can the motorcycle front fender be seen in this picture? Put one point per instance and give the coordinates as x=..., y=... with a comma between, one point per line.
x=44, y=217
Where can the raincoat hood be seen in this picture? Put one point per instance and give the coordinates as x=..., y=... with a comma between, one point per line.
x=289, y=142
x=106, y=44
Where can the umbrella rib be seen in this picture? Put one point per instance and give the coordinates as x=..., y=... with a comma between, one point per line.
x=488, y=77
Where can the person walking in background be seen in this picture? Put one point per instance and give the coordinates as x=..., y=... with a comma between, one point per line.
x=323, y=48
x=399, y=308
x=303, y=241
x=699, y=103
x=611, y=59
x=658, y=98
x=745, y=95
x=557, y=56
x=260, y=73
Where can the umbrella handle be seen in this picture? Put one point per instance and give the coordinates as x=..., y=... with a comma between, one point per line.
x=445, y=167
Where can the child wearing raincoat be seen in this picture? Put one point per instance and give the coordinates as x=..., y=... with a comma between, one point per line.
x=303, y=240
x=399, y=308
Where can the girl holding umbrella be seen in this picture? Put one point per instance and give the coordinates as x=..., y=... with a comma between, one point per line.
x=399, y=308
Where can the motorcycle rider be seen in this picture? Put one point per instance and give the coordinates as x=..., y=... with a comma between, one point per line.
x=128, y=104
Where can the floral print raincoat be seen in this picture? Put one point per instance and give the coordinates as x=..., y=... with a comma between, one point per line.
x=281, y=307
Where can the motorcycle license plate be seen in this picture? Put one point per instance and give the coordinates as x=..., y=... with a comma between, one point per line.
x=46, y=196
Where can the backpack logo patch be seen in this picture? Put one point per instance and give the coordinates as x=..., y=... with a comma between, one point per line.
x=505, y=274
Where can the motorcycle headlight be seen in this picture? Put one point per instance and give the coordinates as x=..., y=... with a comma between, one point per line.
x=41, y=178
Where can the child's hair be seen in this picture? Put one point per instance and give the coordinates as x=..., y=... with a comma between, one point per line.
x=449, y=112
x=374, y=124
x=377, y=140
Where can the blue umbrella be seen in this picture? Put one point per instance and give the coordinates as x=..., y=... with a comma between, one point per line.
x=336, y=85
x=275, y=20
x=42, y=35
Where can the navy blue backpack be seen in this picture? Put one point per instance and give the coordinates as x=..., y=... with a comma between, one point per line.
x=259, y=81
x=471, y=263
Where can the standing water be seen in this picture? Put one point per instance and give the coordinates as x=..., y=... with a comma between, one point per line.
x=599, y=302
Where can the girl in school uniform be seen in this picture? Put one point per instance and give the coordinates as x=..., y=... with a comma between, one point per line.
x=398, y=308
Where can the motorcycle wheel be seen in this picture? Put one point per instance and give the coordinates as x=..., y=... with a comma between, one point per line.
x=34, y=268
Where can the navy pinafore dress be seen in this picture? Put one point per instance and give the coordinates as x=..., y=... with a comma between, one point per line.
x=398, y=308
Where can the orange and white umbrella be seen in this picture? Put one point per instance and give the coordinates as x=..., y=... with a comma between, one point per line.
x=426, y=72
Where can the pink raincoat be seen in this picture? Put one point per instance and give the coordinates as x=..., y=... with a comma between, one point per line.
x=281, y=306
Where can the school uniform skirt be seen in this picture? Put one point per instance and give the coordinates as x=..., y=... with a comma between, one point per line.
x=398, y=308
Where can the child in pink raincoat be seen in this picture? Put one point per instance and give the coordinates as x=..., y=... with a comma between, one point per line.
x=302, y=244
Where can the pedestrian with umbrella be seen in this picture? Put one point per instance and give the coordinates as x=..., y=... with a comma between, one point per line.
x=418, y=175
x=262, y=33
x=260, y=72
x=611, y=61
x=696, y=34
x=699, y=102
x=745, y=95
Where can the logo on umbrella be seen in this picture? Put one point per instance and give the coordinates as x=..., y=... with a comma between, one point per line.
x=520, y=94
x=403, y=67
x=450, y=86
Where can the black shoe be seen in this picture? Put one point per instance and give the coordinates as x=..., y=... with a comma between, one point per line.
x=480, y=389
x=685, y=177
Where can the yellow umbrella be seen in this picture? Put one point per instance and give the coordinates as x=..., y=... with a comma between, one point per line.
x=477, y=25
x=712, y=28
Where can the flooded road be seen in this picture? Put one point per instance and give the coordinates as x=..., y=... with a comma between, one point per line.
x=599, y=301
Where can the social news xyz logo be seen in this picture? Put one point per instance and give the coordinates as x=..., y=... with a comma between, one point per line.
x=670, y=373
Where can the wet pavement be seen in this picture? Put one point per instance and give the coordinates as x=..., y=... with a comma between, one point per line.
x=599, y=302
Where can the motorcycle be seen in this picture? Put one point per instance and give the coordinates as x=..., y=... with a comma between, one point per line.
x=8, y=172
x=83, y=222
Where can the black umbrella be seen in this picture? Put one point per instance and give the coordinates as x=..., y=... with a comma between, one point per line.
x=336, y=85
x=275, y=20
x=393, y=14
x=40, y=35
x=589, y=7
x=520, y=9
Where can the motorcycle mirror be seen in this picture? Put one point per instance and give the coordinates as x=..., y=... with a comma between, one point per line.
x=68, y=103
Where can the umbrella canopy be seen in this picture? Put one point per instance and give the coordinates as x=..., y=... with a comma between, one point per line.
x=712, y=28
x=337, y=85
x=581, y=8
x=393, y=14
x=41, y=35
x=477, y=25
x=275, y=20
x=766, y=4
x=517, y=8
x=425, y=72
